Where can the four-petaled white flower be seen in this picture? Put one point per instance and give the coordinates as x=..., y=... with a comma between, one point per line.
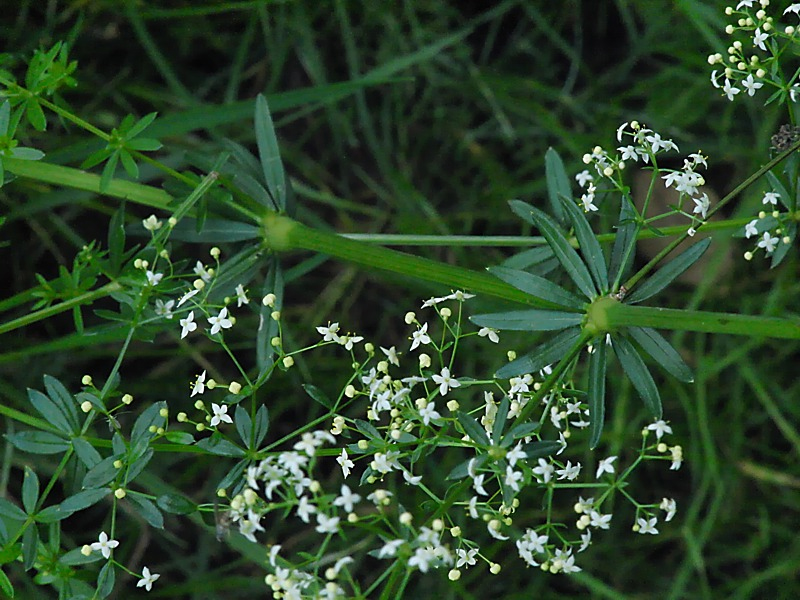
x=151, y=223
x=750, y=229
x=199, y=385
x=153, y=278
x=221, y=321
x=660, y=427
x=770, y=198
x=795, y=8
x=164, y=309
x=670, y=506
x=104, y=545
x=466, y=557
x=428, y=413
x=391, y=355
x=583, y=178
x=327, y=524
x=241, y=296
x=220, y=414
x=545, y=470
x=751, y=85
x=759, y=38
x=606, y=466
x=329, y=333
x=599, y=520
x=490, y=333
x=188, y=325
x=729, y=90
x=202, y=272
x=148, y=579
x=647, y=525
x=445, y=381
x=768, y=242
x=513, y=478
x=420, y=336
x=347, y=499
x=345, y=463
x=701, y=205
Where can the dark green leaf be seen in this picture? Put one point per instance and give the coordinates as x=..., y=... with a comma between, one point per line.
x=462, y=470
x=218, y=445
x=541, y=449
x=624, y=248
x=558, y=185
x=500, y=419
x=667, y=274
x=86, y=453
x=180, y=437
x=176, y=504
x=75, y=557
x=529, y=258
x=529, y=320
x=590, y=247
x=101, y=473
x=38, y=442
x=520, y=430
x=147, y=509
x=141, y=125
x=116, y=239
x=367, y=429
x=5, y=585
x=63, y=399
x=108, y=171
x=782, y=250
x=318, y=395
x=11, y=511
x=141, y=434
x=51, y=514
x=269, y=154
x=660, y=350
x=106, y=580
x=138, y=465
x=84, y=499
x=35, y=114
x=597, y=391
x=538, y=286
x=130, y=166
x=30, y=546
x=777, y=186
x=473, y=429
x=637, y=372
x=564, y=252
x=30, y=490
x=551, y=351
x=244, y=425
x=214, y=231
x=234, y=476
x=262, y=424
x=50, y=411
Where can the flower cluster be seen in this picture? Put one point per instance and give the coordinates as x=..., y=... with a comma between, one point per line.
x=769, y=229
x=749, y=64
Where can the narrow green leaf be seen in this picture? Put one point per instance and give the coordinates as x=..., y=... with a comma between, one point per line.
x=590, y=247
x=11, y=511
x=5, y=115
x=183, y=438
x=662, y=352
x=5, y=585
x=141, y=434
x=318, y=395
x=101, y=473
x=50, y=411
x=461, y=470
x=562, y=249
x=116, y=238
x=141, y=125
x=23, y=153
x=262, y=424
x=35, y=114
x=84, y=499
x=30, y=546
x=597, y=391
x=147, y=509
x=214, y=231
x=528, y=320
x=669, y=272
x=637, y=372
x=108, y=171
x=218, y=445
x=558, y=185
x=30, y=490
x=538, y=286
x=500, y=419
x=782, y=251
x=624, y=249
x=38, y=442
x=85, y=452
x=144, y=145
x=63, y=399
x=130, y=166
x=529, y=258
x=106, y=580
x=541, y=449
x=368, y=429
x=244, y=425
x=549, y=352
x=473, y=429
x=51, y=514
x=176, y=504
x=234, y=476
x=269, y=154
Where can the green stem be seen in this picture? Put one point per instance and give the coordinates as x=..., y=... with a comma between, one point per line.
x=624, y=315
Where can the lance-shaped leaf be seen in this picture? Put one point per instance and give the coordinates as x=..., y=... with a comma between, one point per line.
x=637, y=372
x=540, y=449
x=624, y=249
x=558, y=185
x=660, y=350
x=667, y=274
x=565, y=253
x=597, y=391
x=473, y=429
x=783, y=249
x=500, y=419
x=269, y=154
x=528, y=320
x=549, y=352
x=538, y=286
x=590, y=247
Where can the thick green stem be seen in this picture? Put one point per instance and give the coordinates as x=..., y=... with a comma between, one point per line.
x=618, y=315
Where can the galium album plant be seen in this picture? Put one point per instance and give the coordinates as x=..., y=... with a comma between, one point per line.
x=416, y=466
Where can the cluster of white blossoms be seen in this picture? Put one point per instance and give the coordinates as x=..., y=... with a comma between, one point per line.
x=749, y=60
x=414, y=417
x=645, y=145
x=768, y=228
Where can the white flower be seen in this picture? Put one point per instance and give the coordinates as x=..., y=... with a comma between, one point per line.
x=410, y=478
x=569, y=472
x=221, y=321
x=701, y=205
x=445, y=381
x=428, y=413
x=345, y=463
x=199, y=385
x=391, y=355
x=545, y=470
x=490, y=333
x=660, y=427
x=466, y=557
x=347, y=499
x=241, y=296
x=513, y=478
x=459, y=295
x=751, y=85
x=605, y=466
x=647, y=525
x=669, y=505
x=770, y=198
x=656, y=143
x=795, y=8
x=327, y=524
x=420, y=336
x=188, y=325
x=588, y=203
x=629, y=153
x=586, y=539
x=583, y=178
x=220, y=414
x=186, y=296
x=745, y=3
x=750, y=229
x=759, y=38
x=390, y=548
x=148, y=578
x=677, y=458
x=104, y=545
x=151, y=223
x=768, y=242
x=202, y=272
x=153, y=278
x=515, y=454
x=729, y=90
x=564, y=562
x=164, y=309
x=599, y=520
x=329, y=333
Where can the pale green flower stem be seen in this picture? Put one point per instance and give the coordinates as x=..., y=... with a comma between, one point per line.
x=282, y=234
